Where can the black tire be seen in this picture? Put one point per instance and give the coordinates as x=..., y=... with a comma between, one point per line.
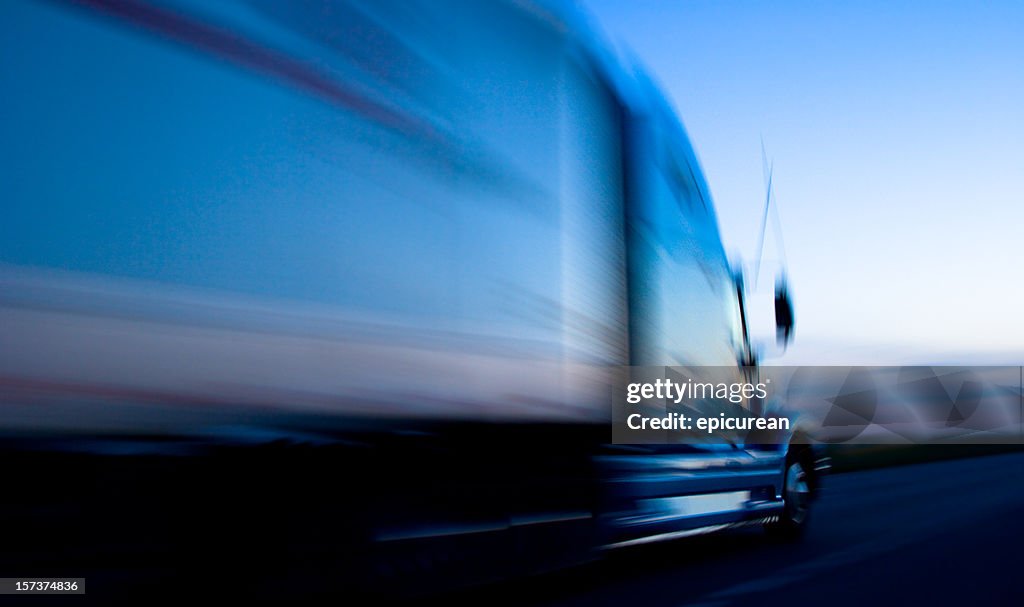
x=797, y=493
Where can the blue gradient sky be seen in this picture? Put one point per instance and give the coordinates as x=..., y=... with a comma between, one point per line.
x=897, y=133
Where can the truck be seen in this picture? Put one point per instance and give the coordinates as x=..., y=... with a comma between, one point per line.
x=330, y=294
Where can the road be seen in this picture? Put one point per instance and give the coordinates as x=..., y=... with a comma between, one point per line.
x=937, y=533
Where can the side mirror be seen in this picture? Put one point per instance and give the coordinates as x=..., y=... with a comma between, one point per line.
x=783, y=313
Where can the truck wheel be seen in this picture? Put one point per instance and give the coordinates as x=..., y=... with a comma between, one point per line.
x=796, y=492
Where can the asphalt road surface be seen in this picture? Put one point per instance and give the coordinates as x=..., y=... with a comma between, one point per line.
x=943, y=533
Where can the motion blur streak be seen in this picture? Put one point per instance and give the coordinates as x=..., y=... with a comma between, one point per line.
x=227, y=44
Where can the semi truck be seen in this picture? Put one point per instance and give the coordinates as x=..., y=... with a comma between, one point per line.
x=333, y=293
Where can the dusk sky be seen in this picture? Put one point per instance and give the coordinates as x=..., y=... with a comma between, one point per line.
x=897, y=135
